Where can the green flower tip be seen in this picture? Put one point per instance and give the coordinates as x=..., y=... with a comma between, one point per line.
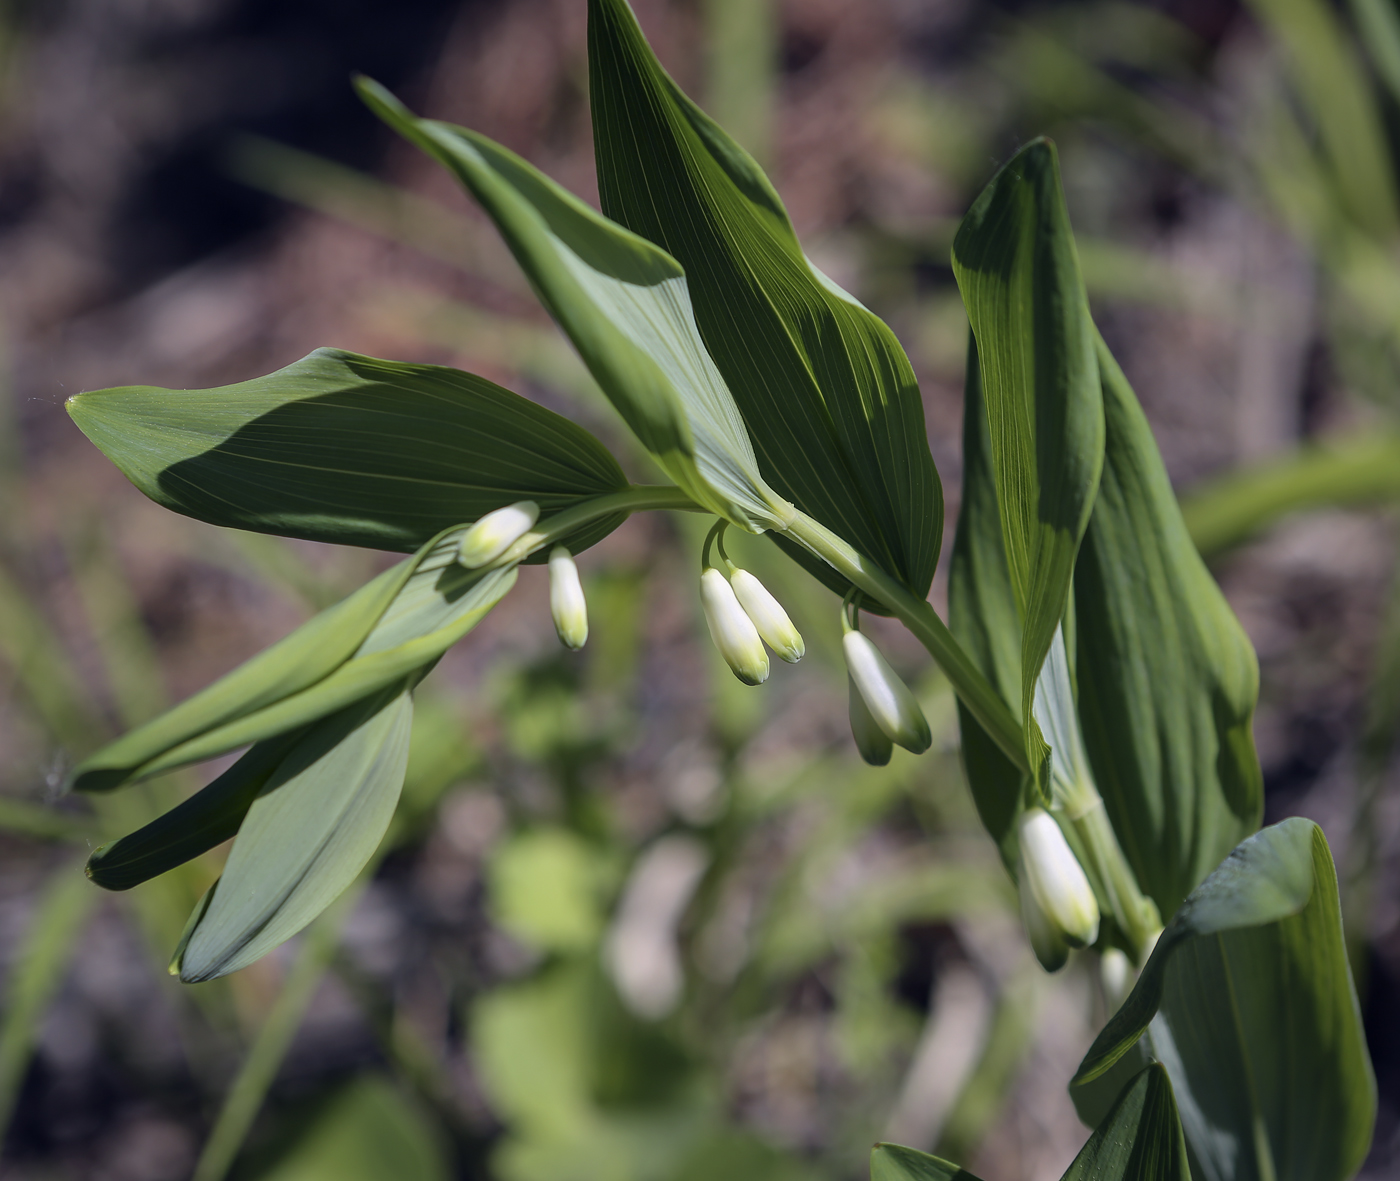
x=496, y=532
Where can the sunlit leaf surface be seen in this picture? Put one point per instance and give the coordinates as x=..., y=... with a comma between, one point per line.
x=825, y=388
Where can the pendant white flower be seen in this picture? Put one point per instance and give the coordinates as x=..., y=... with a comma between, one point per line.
x=496, y=532
x=566, y=602
x=873, y=743
x=732, y=630
x=1054, y=889
x=768, y=617
x=887, y=697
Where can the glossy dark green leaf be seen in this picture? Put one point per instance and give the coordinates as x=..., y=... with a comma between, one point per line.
x=1140, y=1140
x=314, y=825
x=982, y=614
x=342, y=448
x=208, y=818
x=393, y=627
x=626, y=306
x=1167, y=678
x=1015, y=263
x=1248, y=1002
x=825, y=389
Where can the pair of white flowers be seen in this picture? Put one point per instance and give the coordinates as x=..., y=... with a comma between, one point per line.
x=496, y=532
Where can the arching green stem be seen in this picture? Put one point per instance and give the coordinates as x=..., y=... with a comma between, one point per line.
x=918, y=615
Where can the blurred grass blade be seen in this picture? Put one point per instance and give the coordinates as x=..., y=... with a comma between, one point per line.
x=315, y=824
x=1167, y=678
x=39, y=966
x=894, y=1162
x=397, y=624
x=1141, y=1138
x=1334, y=85
x=1378, y=24
x=1248, y=1002
x=46, y=824
x=740, y=63
x=982, y=615
x=625, y=305
x=1344, y=473
x=343, y=448
x=825, y=388
x=1015, y=265
x=208, y=818
x=364, y=201
x=245, y=1096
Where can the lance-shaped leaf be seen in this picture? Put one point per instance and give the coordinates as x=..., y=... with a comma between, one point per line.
x=894, y=1162
x=626, y=306
x=1167, y=678
x=391, y=628
x=1140, y=1139
x=1248, y=1002
x=208, y=818
x=825, y=389
x=1015, y=263
x=343, y=448
x=315, y=823
x=982, y=614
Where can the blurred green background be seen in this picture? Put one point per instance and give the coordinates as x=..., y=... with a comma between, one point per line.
x=634, y=921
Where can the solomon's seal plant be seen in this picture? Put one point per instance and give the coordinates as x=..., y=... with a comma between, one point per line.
x=1105, y=690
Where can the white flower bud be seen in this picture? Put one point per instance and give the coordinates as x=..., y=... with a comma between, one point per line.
x=886, y=697
x=496, y=532
x=768, y=616
x=566, y=601
x=1054, y=881
x=732, y=630
x=1048, y=944
x=1116, y=972
x=873, y=743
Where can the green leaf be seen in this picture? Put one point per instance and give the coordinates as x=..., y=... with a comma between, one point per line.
x=1248, y=1002
x=625, y=305
x=894, y=1162
x=1015, y=264
x=825, y=389
x=391, y=628
x=208, y=818
x=367, y=1132
x=315, y=824
x=1167, y=678
x=1141, y=1140
x=982, y=615
x=343, y=448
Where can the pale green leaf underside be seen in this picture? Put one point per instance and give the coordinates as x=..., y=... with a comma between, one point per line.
x=314, y=826
x=1016, y=267
x=825, y=389
x=349, y=449
x=393, y=627
x=1248, y=1002
x=1167, y=678
x=625, y=305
